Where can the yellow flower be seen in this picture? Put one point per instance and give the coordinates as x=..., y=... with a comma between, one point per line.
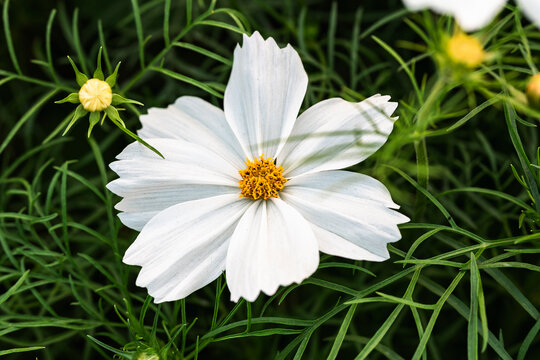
x=533, y=91
x=95, y=95
x=465, y=50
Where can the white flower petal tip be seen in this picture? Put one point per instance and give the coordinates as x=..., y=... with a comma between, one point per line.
x=272, y=246
x=351, y=214
x=531, y=9
x=264, y=94
x=335, y=134
x=471, y=15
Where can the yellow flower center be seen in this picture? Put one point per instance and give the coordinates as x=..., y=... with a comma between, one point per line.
x=261, y=179
x=95, y=95
x=533, y=90
x=465, y=50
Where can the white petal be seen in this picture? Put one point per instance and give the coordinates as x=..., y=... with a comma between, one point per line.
x=333, y=244
x=196, y=121
x=271, y=246
x=345, y=183
x=346, y=207
x=531, y=9
x=471, y=15
x=335, y=134
x=150, y=184
x=264, y=94
x=183, y=247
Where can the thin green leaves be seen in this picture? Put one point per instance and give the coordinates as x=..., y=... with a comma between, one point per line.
x=404, y=66
x=166, y=17
x=98, y=73
x=6, y=295
x=139, y=28
x=204, y=52
x=9, y=40
x=34, y=109
x=533, y=183
x=112, y=113
x=472, y=329
x=20, y=350
x=433, y=319
x=188, y=80
x=48, y=44
x=77, y=40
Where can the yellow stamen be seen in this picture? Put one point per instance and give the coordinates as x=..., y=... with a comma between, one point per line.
x=95, y=95
x=261, y=179
x=465, y=50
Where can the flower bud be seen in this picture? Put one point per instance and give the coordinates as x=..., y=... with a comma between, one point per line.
x=147, y=355
x=533, y=91
x=95, y=95
x=465, y=50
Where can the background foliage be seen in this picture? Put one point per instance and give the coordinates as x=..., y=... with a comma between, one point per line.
x=462, y=161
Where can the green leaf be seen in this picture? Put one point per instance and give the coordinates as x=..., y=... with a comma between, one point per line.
x=341, y=333
x=433, y=319
x=98, y=74
x=130, y=133
x=79, y=112
x=14, y=288
x=472, y=328
x=188, y=80
x=122, y=354
x=20, y=350
x=534, y=188
x=482, y=312
x=119, y=99
x=139, y=29
x=71, y=98
x=473, y=113
x=111, y=79
x=528, y=340
x=166, y=17
x=204, y=52
x=113, y=114
x=103, y=46
x=404, y=66
x=79, y=76
x=223, y=25
x=48, y=44
x=9, y=41
x=77, y=41
x=15, y=128
x=427, y=194
x=94, y=119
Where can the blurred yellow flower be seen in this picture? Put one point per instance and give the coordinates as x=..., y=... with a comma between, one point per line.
x=465, y=50
x=533, y=90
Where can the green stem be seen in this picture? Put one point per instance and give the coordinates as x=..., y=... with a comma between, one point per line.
x=164, y=52
x=422, y=162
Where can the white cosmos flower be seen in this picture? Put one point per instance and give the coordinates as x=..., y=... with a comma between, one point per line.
x=472, y=15
x=193, y=222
